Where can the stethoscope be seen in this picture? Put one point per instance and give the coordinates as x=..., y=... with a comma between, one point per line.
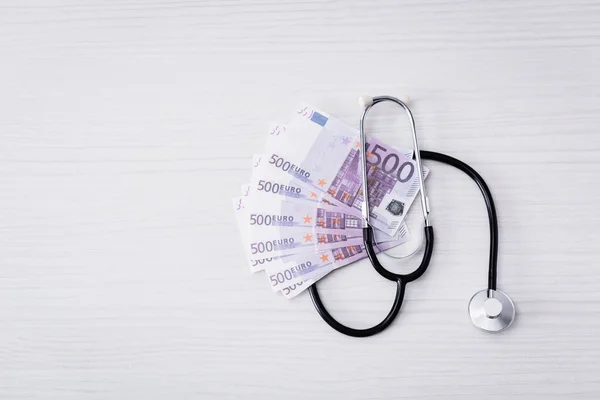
x=491, y=310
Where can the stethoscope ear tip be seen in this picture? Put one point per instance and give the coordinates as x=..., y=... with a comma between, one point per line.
x=491, y=310
x=365, y=101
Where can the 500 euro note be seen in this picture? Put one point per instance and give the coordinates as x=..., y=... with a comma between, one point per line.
x=276, y=241
x=278, y=228
x=256, y=264
x=296, y=272
x=302, y=267
x=321, y=155
x=289, y=291
x=272, y=217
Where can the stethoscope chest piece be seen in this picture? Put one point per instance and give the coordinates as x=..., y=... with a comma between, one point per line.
x=491, y=310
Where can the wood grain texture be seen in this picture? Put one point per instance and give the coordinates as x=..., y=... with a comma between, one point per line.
x=126, y=127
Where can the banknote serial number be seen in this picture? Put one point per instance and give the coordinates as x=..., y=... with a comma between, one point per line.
x=272, y=245
x=266, y=219
x=274, y=187
x=288, y=274
x=287, y=166
x=390, y=163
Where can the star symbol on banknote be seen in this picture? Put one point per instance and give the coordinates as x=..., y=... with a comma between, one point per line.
x=308, y=238
x=369, y=154
x=324, y=257
x=313, y=194
x=307, y=219
x=339, y=257
x=357, y=144
x=322, y=182
x=345, y=140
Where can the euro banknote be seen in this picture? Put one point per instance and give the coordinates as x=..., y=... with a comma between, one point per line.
x=302, y=267
x=326, y=164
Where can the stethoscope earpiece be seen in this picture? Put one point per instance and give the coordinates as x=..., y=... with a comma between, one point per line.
x=365, y=101
x=491, y=310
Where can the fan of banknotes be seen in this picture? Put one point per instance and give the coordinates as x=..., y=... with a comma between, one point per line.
x=300, y=215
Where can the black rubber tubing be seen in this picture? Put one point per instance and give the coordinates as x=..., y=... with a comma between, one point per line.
x=489, y=203
x=402, y=279
x=332, y=322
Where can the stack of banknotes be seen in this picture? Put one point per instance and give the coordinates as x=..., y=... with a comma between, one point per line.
x=300, y=216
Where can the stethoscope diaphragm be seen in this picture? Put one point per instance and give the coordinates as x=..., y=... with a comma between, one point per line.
x=491, y=310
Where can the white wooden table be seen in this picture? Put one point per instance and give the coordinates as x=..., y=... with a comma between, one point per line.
x=127, y=126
